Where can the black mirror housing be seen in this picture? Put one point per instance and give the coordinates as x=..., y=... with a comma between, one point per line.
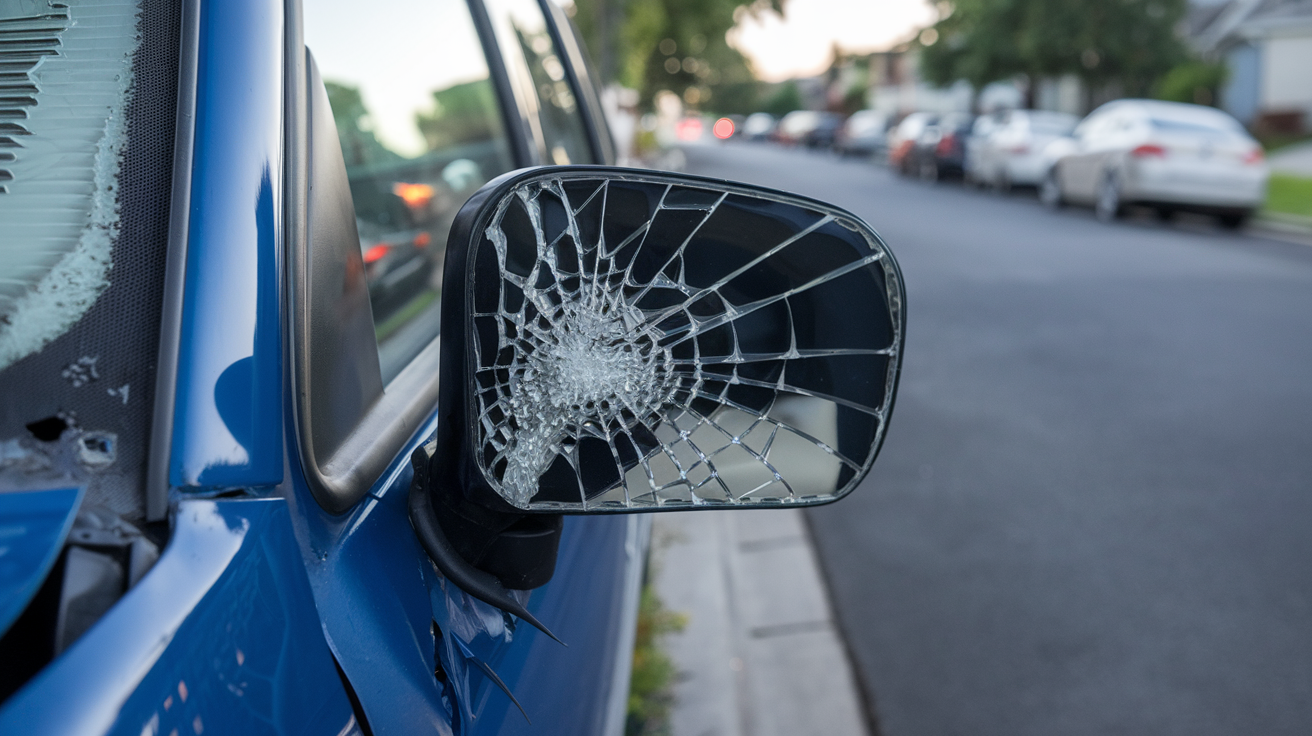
x=620, y=340
x=617, y=340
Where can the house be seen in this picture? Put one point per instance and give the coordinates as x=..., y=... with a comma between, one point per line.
x=1267, y=47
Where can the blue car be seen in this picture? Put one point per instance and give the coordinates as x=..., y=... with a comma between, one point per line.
x=338, y=368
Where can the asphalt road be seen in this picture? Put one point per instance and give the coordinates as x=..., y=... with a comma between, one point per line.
x=1093, y=512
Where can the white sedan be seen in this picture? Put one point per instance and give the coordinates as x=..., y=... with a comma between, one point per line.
x=1011, y=145
x=1166, y=155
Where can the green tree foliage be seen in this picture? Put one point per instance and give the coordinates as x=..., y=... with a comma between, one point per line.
x=785, y=99
x=1125, y=44
x=360, y=146
x=460, y=115
x=1198, y=82
x=676, y=45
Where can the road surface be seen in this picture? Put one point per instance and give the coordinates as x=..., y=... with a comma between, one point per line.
x=1093, y=512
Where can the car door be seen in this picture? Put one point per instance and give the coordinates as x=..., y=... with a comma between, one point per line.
x=1079, y=170
x=395, y=126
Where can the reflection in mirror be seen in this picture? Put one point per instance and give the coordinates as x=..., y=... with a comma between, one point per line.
x=642, y=340
x=537, y=70
x=421, y=130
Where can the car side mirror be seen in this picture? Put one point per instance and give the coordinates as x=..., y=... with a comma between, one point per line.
x=617, y=340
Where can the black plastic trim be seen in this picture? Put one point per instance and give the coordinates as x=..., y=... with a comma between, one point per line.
x=175, y=269
x=513, y=116
x=581, y=79
x=478, y=583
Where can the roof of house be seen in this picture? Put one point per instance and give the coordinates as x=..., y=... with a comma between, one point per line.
x=1212, y=27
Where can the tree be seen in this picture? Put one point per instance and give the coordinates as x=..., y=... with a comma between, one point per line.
x=1117, y=45
x=1198, y=82
x=676, y=45
x=785, y=99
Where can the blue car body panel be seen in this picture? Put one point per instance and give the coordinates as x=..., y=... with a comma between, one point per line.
x=236, y=628
x=33, y=525
x=228, y=411
x=221, y=636
x=379, y=597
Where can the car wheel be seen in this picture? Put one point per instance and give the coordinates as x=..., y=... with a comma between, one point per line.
x=1003, y=182
x=1233, y=220
x=1050, y=191
x=1109, y=205
x=929, y=171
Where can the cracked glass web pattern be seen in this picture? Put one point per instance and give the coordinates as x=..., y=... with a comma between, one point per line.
x=646, y=340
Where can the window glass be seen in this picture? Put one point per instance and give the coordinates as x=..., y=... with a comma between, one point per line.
x=421, y=130
x=86, y=168
x=1051, y=123
x=538, y=71
x=1207, y=125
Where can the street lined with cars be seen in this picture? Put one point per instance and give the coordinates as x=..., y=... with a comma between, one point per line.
x=1166, y=156
x=1092, y=520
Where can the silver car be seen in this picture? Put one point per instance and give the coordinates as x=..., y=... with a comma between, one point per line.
x=1166, y=155
x=1009, y=150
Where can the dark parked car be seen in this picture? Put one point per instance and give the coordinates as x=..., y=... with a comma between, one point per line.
x=940, y=150
x=825, y=133
x=903, y=138
x=332, y=397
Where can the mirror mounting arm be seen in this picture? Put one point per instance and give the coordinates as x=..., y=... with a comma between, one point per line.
x=485, y=553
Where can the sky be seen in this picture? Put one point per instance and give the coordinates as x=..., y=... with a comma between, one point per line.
x=434, y=48
x=799, y=44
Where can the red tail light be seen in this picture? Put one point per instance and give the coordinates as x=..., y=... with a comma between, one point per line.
x=1254, y=156
x=1019, y=150
x=946, y=143
x=1148, y=150
x=376, y=253
x=423, y=239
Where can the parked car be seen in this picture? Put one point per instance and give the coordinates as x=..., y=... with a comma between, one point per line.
x=237, y=498
x=1166, y=155
x=796, y=126
x=863, y=134
x=759, y=126
x=1010, y=152
x=940, y=150
x=823, y=135
x=903, y=139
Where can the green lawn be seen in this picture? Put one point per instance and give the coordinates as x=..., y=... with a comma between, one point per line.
x=1289, y=194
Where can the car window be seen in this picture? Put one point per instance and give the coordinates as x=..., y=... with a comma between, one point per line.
x=537, y=71
x=1205, y=126
x=421, y=130
x=1051, y=123
x=1098, y=126
x=914, y=125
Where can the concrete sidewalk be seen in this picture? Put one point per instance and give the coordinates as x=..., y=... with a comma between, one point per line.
x=761, y=654
x=1295, y=160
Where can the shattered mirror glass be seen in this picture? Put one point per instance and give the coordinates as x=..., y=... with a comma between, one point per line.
x=642, y=340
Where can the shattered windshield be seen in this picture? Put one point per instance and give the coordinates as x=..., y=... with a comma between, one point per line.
x=86, y=141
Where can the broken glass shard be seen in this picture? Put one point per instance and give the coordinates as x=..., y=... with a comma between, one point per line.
x=646, y=340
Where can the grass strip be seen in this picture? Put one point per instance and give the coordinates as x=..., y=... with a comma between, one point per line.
x=1289, y=194
x=651, y=689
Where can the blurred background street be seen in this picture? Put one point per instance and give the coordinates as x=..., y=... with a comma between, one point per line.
x=1091, y=512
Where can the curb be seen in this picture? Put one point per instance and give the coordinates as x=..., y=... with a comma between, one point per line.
x=762, y=654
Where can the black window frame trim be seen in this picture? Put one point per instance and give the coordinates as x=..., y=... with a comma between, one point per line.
x=175, y=269
x=580, y=74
